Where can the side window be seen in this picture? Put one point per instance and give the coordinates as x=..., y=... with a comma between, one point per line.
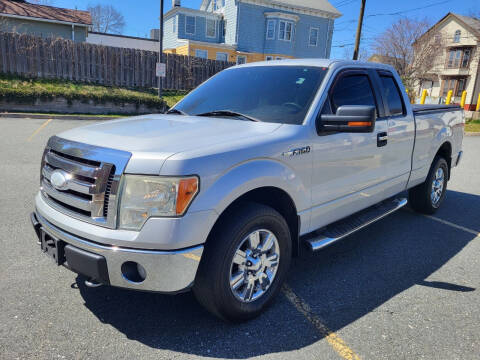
x=351, y=90
x=392, y=96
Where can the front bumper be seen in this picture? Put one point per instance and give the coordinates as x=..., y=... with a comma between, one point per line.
x=166, y=271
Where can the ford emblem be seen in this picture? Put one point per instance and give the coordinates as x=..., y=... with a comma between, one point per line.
x=59, y=179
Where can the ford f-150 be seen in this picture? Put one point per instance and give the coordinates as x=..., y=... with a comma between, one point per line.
x=218, y=194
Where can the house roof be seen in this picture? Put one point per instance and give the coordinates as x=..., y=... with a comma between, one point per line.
x=315, y=5
x=470, y=23
x=43, y=12
x=320, y=5
x=189, y=11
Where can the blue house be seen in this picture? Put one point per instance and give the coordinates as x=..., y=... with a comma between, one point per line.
x=251, y=30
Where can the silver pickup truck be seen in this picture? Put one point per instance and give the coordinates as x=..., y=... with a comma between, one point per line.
x=218, y=194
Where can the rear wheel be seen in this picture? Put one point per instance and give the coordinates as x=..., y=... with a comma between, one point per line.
x=426, y=198
x=244, y=263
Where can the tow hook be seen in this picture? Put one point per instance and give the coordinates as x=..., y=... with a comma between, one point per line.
x=91, y=283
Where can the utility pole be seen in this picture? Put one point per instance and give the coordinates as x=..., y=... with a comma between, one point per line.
x=160, y=43
x=359, y=31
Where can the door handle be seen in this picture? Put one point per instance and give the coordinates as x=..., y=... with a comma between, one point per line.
x=382, y=139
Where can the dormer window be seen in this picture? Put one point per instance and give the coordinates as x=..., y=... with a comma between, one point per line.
x=456, y=37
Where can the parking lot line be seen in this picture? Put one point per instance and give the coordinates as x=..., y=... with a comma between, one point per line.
x=449, y=223
x=39, y=129
x=446, y=222
x=333, y=339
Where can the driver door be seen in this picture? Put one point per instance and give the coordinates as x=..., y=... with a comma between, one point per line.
x=348, y=168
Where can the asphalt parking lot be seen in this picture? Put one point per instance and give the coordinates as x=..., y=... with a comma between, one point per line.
x=406, y=287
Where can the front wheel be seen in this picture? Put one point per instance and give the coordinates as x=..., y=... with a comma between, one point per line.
x=426, y=198
x=244, y=263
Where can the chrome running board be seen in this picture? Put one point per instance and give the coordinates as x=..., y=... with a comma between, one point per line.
x=353, y=223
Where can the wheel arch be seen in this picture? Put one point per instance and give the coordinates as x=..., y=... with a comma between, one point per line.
x=274, y=197
x=445, y=151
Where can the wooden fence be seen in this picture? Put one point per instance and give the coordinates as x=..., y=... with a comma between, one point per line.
x=35, y=57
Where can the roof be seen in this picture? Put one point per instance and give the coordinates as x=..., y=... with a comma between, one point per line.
x=43, y=12
x=470, y=23
x=315, y=5
x=185, y=10
x=316, y=62
x=320, y=5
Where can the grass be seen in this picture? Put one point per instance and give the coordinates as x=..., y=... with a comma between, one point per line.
x=28, y=90
x=472, y=126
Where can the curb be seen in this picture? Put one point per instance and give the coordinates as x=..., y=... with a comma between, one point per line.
x=472, y=133
x=56, y=116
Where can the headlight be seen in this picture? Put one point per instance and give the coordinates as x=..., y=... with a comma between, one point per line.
x=147, y=196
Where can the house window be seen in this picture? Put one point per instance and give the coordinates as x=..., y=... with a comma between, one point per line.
x=211, y=28
x=269, y=58
x=270, y=29
x=174, y=24
x=201, y=53
x=279, y=58
x=241, y=59
x=456, y=37
x=224, y=28
x=460, y=86
x=285, y=31
x=218, y=4
x=190, y=25
x=457, y=85
x=458, y=58
x=222, y=56
x=466, y=58
x=313, y=37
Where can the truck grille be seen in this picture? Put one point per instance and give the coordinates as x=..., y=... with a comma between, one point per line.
x=82, y=180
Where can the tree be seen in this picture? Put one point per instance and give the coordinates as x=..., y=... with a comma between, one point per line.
x=411, y=48
x=363, y=54
x=106, y=19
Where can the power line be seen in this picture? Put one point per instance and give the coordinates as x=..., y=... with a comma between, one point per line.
x=410, y=10
x=397, y=12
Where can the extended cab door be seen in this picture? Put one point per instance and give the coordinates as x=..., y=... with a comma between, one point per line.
x=401, y=133
x=349, y=169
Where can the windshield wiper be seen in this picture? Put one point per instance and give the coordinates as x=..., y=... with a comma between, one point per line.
x=228, y=113
x=176, y=111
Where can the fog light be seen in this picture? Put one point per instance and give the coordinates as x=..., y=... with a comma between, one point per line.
x=133, y=272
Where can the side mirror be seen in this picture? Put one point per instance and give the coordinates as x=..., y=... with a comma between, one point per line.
x=349, y=118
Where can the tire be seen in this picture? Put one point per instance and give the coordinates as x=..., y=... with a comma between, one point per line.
x=421, y=198
x=231, y=237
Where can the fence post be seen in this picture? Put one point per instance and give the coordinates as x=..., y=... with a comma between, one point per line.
x=449, y=97
x=464, y=98
x=424, y=96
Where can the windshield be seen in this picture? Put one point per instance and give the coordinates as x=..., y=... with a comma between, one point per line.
x=279, y=94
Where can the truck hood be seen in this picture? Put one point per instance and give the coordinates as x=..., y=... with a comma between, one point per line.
x=157, y=136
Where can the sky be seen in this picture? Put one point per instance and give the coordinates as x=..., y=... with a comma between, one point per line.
x=142, y=15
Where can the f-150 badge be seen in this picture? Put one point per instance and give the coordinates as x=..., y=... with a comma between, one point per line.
x=297, y=151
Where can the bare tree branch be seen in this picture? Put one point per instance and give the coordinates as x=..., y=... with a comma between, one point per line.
x=411, y=48
x=107, y=19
